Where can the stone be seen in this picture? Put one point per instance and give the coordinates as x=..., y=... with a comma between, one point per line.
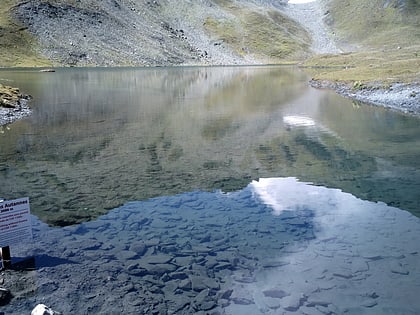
x=292, y=302
x=183, y=260
x=343, y=274
x=159, y=269
x=226, y=294
x=359, y=265
x=200, y=283
x=275, y=293
x=127, y=255
x=369, y=303
x=157, y=259
x=399, y=269
x=204, y=302
x=272, y=303
x=242, y=301
x=138, y=247
x=185, y=285
x=274, y=264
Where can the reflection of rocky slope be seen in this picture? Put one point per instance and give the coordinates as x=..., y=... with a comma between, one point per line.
x=169, y=133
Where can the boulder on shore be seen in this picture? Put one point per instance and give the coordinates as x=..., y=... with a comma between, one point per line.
x=13, y=104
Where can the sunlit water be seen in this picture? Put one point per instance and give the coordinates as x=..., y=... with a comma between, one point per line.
x=205, y=190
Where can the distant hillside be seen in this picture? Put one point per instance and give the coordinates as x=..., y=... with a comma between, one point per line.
x=383, y=37
x=362, y=24
x=202, y=32
x=127, y=32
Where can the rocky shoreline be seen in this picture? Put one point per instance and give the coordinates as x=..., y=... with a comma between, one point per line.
x=13, y=105
x=402, y=97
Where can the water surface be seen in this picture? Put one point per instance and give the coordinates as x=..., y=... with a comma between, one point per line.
x=101, y=137
x=227, y=190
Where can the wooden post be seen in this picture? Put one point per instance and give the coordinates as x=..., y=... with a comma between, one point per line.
x=6, y=259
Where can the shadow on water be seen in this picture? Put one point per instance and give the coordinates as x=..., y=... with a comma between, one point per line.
x=101, y=137
x=42, y=261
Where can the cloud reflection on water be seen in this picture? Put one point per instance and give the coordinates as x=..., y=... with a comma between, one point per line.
x=363, y=258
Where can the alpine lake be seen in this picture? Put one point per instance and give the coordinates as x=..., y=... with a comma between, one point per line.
x=210, y=190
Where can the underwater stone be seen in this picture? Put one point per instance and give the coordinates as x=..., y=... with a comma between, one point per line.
x=157, y=259
x=275, y=293
x=242, y=301
x=292, y=302
x=138, y=247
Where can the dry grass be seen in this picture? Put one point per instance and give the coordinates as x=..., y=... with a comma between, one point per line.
x=387, y=66
x=387, y=35
x=17, y=47
x=376, y=23
x=262, y=34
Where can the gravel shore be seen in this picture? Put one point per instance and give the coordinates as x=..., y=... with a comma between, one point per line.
x=399, y=96
x=13, y=105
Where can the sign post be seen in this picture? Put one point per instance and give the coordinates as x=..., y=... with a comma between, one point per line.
x=15, y=226
x=5, y=257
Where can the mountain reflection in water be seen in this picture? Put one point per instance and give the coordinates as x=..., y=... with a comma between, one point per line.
x=278, y=245
x=101, y=137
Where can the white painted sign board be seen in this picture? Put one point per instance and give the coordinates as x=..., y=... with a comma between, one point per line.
x=15, y=222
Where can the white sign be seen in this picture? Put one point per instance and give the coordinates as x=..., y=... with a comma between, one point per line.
x=15, y=222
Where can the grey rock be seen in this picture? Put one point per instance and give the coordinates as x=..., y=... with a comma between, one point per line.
x=242, y=301
x=292, y=302
x=159, y=269
x=157, y=259
x=203, y=301
x=185, y=284
x=275, y=293
x=139, y=247
x=200, y=283
x=369, y=303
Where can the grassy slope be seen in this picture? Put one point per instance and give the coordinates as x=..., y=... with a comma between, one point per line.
x=265, y=35
x=387, y=37
x=17, y=46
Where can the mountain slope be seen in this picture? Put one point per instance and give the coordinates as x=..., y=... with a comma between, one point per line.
x=384, y=24
x=382, y=40
x=127, y=32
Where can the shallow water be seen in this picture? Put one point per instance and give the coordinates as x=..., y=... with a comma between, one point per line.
x=278, y=246
x=231, y=190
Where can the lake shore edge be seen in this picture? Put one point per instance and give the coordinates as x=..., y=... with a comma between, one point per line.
x=13, y=105
x=401, y=97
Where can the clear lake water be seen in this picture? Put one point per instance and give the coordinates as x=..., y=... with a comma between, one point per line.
x=211, y=190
